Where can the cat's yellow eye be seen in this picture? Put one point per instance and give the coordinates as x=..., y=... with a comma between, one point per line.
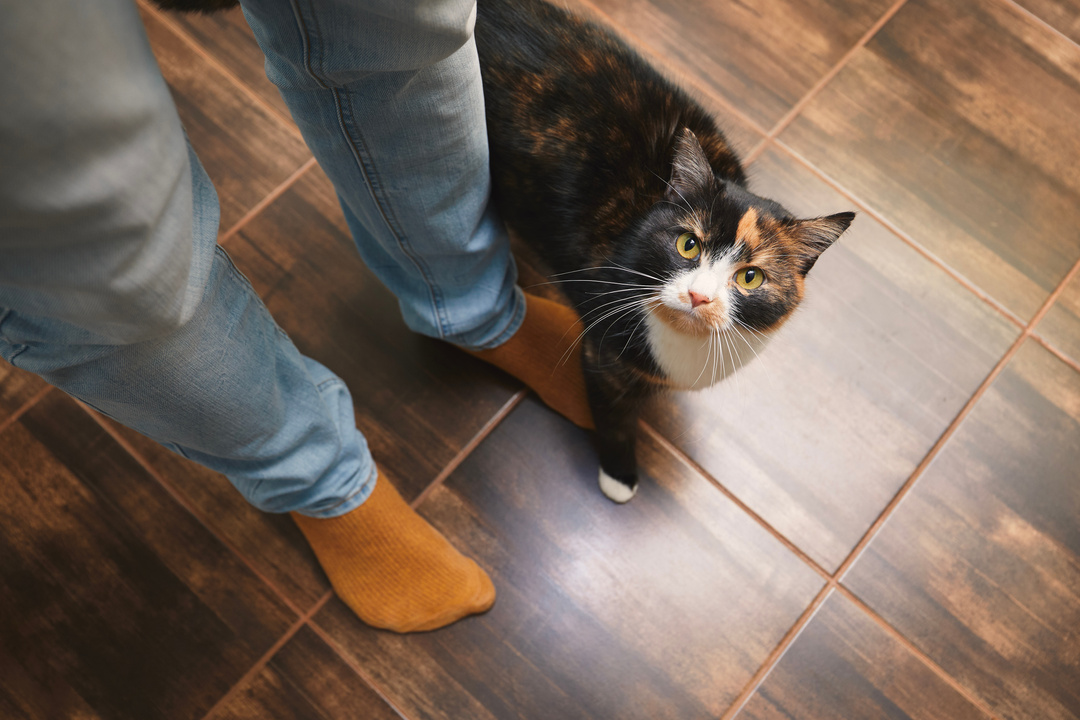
x=750, y=278
x=688, y=246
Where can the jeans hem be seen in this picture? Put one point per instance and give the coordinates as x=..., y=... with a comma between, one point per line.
x=351, y=501
x=517, y=317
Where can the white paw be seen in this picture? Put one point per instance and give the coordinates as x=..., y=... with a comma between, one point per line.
x=615, y=490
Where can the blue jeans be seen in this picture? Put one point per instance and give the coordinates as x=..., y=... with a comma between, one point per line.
x=112, y=286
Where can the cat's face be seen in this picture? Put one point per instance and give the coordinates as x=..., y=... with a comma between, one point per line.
x=730, y=267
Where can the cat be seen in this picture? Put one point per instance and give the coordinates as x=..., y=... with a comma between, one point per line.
x=631, y=195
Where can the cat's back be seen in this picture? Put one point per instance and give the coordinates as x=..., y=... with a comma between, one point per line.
x=575, y=119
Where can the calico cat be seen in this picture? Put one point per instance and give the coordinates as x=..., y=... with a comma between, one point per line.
x=630, y=193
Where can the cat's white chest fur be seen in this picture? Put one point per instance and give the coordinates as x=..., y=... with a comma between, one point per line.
x=695, y=363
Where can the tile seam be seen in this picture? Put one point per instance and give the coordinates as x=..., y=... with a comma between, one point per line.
x=834, y=579
x=798, y=107
x=911, y=647
x=220, y=67
x=481, y=434
x=338, y=650
x=24, y=408
x=1057, y=352
x=766, y=667
x=182, y=500
x=1039, y=21
x=916, y=475
x=263, y=661
x=731, y=496
x=930, y=456
x=267, y=200
x=681, y=77
x=901, y=234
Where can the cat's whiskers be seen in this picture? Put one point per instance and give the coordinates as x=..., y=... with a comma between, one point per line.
x=766, y=368
x=705, y=364
x=613, y=266
x=600, y=308
x=689, y=207
x=736, y=361
x=715, y=337
x=621, y=307
x=641, y=303
x=644, y=316
x=598, y=282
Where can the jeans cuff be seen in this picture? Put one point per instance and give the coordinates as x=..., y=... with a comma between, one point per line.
x=517, y=317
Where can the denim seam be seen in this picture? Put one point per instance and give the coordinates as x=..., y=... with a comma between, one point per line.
x=307, y=35
x=20, y=348
x=306, y=40
x=356, y=142
x=246, y=284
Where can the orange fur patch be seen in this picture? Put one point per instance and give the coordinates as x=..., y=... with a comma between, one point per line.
x=747, y=231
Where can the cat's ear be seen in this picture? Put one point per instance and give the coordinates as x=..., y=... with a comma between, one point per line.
x=690, y=169
x=815, y=236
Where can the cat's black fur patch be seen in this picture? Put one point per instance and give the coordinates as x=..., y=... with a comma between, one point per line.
x=592, y=162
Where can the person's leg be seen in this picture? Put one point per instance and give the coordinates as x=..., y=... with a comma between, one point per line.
x=113, y=289
x=388, y=97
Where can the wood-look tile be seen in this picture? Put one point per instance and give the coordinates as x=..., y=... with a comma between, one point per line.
x=17, y=387
x=1062, y=15
x=819, y=433
x=957, y=122
x=844, y=665
x=742, y=135
x=246, y=149
x=980, y=564
x=116, y=602
x=271, y=542
x=662, y=608
x=762, y=57
x=306, y=679
x=226, y=37
x=1061, y=324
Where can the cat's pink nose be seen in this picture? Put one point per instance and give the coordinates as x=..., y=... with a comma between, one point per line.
x=698, y=299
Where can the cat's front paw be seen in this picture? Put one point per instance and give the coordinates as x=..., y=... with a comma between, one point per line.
x=618, y=490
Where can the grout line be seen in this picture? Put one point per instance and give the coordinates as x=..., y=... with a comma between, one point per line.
x=355, y=667
x=183, y=502
x=813, y=91
x=688, y=461
x=266, y=657
x=889, y=225
x=868, y=536
x=756, y=153
x=24, y=408
x=872, y=531
x=479, y=437
x=203, y=53
x=1060, y=354
x=674, y=72
x=777, y=652
x=1045, y=308
x=270, y=197
x=914, y=650
x=1039, y=21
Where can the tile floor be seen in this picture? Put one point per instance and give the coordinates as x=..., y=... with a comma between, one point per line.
x=880, y=519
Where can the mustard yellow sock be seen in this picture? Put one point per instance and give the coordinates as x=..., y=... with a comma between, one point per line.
x=393, y=569
x=540, y=355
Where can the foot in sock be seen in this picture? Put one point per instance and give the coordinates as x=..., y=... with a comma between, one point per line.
x=393, y=569
x=540, y=355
